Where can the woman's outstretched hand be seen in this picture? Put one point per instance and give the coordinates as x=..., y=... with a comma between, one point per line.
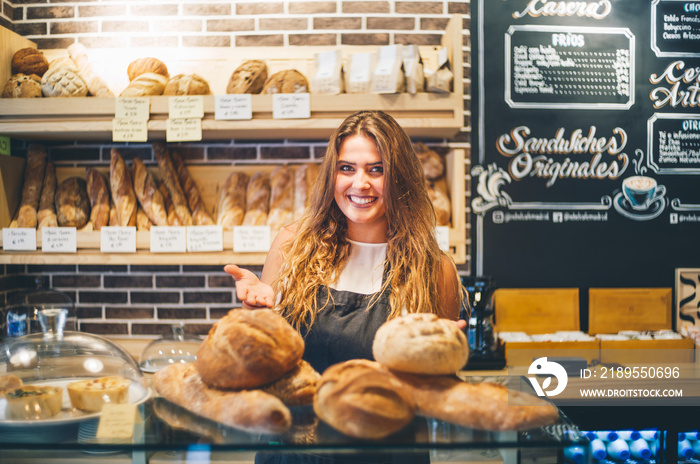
x=249, y=289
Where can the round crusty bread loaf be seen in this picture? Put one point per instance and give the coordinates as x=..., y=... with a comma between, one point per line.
x=22, y=86
x=144, y=85
x=287, y=81
x=146, y=65
x=249, y=77
x=187, y=84
x=362, y=399
x=247, y=349
x=29, y=61
x=63, y=82
x=421, y=343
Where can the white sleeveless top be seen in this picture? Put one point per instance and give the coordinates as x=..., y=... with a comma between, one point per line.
x=364, y=269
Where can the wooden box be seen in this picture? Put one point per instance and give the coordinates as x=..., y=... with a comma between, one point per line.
x=540, y=311
x=640, y=309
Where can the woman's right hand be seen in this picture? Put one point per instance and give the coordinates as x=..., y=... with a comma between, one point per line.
x=249, y=289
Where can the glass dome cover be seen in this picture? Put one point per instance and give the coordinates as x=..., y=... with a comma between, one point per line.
x=169, y=349
x=88, y=370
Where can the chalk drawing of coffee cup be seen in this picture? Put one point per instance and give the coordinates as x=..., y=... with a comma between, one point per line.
x=642, y=191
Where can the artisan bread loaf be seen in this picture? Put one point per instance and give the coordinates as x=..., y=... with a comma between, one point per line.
x=146, y=191
x=187, y=84
x=231, y=209
x=145, y=85
x=249, y=77
x=29, y=61
x=122, y=189
x=63, y=81
x=31, y=188
x=95, y=84
x=433, y=164
x=421, y=343
x=483, y=406
x=441, y=202
x=72, y=203
x=145, y=65
x=22, y=86
x=304, y=179
x=142, y=221
x=362, y=399
x=281, y=209
x=297, y=387
x=170, y=179
x=46, y=216
x=257, y=200
x=253, y=411
x=247, y=349
x=98, y=193
x=200, y=215
x=287, y=81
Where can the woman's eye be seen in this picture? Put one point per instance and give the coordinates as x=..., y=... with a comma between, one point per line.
x=345, y=168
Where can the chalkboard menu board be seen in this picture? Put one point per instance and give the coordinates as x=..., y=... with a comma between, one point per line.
x=586, y=141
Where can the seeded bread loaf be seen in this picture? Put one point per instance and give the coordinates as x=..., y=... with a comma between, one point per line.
x=22, y=86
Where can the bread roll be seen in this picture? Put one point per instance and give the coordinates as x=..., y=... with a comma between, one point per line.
x=145, y=85
x=433, y=164
x=95, y=84
x=72, y=203
x=29, y=61
x=247, y=349
x=362, y=399
x=22, y=86
x=257, y=200
x=98, y=193
x=421, y=343
x=281, y=198
x=146, y=65
x=297, y=387
x=232, y=201
x=304, y=179
x=122, y=189
x=287, y=81
x=63, y=81
x=170, y=178
x=46, y=217
x=147, y=193
x=250, y=410
x=483, y=406
x=200, y=215
x=249, y=77
x=187, y=84
x=31, y=189
x=441, y=202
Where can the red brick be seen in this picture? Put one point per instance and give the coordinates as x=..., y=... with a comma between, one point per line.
x=51, y=12
x=312, y=7
x=366, y=7
x=337, y=24
x=274, y=40
x=230, y=25
x=259, y=8
x=283, y=24
x=391, y=22
x=125, y=26
x=150, y=9
x=72, y=27
x=101, y=10
x=364, y=39
x=418, y=7
x=313, y=39
x=206, y=9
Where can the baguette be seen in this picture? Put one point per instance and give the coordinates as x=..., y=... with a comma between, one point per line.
x=249, y=410
x=200, y=215
x=281, y=198
x=173, y=220
x=232, y=201
x=95, y=84
x=122, y=190
x=46, y=217
x=98, y=193
x=304, y=178
x=150, y=198
x=484, y=406
x=257, y=200
x=170, y=179
x=31, y=189
x=142, y=221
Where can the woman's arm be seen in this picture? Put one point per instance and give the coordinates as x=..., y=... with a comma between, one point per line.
x=450, y=297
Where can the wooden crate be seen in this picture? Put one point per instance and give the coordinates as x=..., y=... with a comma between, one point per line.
x=641, y=309
x=540, y=311
x=209, y=179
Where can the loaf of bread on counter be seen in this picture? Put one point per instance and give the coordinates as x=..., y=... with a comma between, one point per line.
x=72, y=203
x=281, y=210
x=148, y=195
x=98, y=193
x=257, y=200
x=122, y=189
x=46, y=217
x=297, y=387
x=231, y=209
x=31, y=188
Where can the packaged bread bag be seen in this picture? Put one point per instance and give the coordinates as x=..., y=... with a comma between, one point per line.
x=438, y=75
x=388, y=76
x=328, y=73
x=358, y=72
x=413, y=69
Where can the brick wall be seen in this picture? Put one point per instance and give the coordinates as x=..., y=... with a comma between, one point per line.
x=144, y=301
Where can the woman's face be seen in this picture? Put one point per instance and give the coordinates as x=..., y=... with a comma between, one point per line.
x=359, y=189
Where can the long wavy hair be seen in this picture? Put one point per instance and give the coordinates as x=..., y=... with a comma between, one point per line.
x=319, y=250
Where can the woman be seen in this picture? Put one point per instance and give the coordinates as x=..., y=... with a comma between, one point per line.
x=363, y=253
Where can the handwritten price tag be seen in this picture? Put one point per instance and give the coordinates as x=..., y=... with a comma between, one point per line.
x=168, y=239
x=129, y=130
x=291, y=106
x=189, y=106
x=205, y=238
x=117, y=421
x=58, y=240
x=183, y=130
x=118, y=240
x=251, y=239
x=19, y=239
x=132, y=108
x=233, y=106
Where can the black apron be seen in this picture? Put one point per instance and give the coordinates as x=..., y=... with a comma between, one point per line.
x=342, y=331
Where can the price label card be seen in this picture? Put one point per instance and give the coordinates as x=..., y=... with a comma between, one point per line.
x=168, y=239
x=251, y=239
x=19, y=239
x=186, y=106
x=238, y=106
x=129, y=130
x=117, y=421
x=205, y=238
x=58, y=240
x=132, y=108
x=291, y=106
x=118, y=240
x=442, y=234
x=183, y=130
